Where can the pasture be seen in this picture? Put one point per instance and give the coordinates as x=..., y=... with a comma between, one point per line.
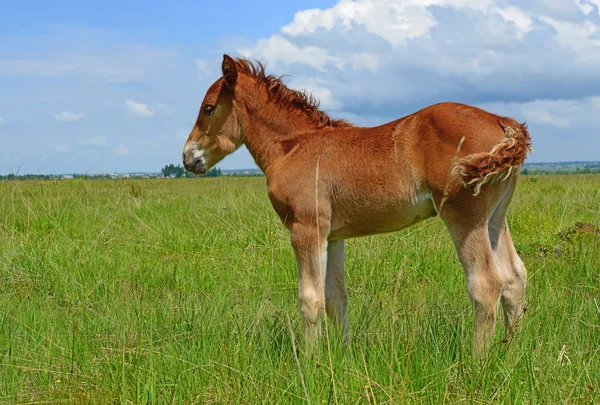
x=184, y=291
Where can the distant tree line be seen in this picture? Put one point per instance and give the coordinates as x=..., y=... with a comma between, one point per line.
x=178, y=171
x=214, y=172
x=13, y=176
x=173, y=171
x=579, y=170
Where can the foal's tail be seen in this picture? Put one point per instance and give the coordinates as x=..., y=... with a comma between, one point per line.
x=505, y=158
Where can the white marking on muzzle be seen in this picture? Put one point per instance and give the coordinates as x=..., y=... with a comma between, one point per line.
x=197, y=153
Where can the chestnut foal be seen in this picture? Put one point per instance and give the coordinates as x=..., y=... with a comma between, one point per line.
x=329, y=181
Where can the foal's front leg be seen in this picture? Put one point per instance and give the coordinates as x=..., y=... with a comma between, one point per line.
x=336, y=298
x=310, y=247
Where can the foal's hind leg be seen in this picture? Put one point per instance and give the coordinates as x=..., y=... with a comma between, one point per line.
x=468, y=228
x=336, y=298
x=513, y=271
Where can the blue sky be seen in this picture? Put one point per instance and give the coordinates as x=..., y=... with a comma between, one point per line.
x=115, y=87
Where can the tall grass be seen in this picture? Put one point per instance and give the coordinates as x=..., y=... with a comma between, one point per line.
x=184, y=291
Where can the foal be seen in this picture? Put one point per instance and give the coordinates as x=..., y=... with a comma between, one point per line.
x=329, y=181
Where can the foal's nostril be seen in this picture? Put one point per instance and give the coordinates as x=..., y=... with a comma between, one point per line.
x=189, y=162
x=190, y=165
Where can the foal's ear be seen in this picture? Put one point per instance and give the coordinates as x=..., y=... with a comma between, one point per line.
x=229, y=72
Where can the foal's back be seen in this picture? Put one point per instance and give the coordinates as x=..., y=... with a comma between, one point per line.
x=383, y=179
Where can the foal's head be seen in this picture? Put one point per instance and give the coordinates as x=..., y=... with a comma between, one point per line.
x=218, y=131
x=244, y=92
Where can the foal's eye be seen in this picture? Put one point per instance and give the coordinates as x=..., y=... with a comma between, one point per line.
x=209, y=109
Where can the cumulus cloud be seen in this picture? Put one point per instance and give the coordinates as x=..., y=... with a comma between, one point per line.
x=584, y=112
x=68, y=116
x=588, y=6
x=318, y=88
x=385, y=57
x=138, y=108
x=280, y=49
x=121, y=150
x=543, y=116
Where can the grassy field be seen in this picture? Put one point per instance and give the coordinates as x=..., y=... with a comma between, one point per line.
x=184, y=291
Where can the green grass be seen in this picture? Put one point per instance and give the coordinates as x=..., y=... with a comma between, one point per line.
x=184, y=291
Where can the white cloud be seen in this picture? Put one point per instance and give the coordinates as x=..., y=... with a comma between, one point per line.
x=279, y=49
x=318, y=89
x=2, y=121
x=556, y=113
x=68, y=116
x=366, y=34
x=391, y=20
x=523, y=22
x=395, y=21
x=582, y=37
x=94, y=141
x=121, y=150
x=138, y=108
x=63, y=147
x=597, y=4
x=375, y=55
x=587, y=6
x=543, y=116
x=365, y=61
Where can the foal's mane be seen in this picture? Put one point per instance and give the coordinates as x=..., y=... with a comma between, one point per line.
x=286, y=97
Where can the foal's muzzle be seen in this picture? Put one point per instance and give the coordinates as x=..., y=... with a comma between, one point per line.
x=194, y=161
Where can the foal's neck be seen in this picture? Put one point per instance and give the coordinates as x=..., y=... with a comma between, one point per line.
x=270, y=129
